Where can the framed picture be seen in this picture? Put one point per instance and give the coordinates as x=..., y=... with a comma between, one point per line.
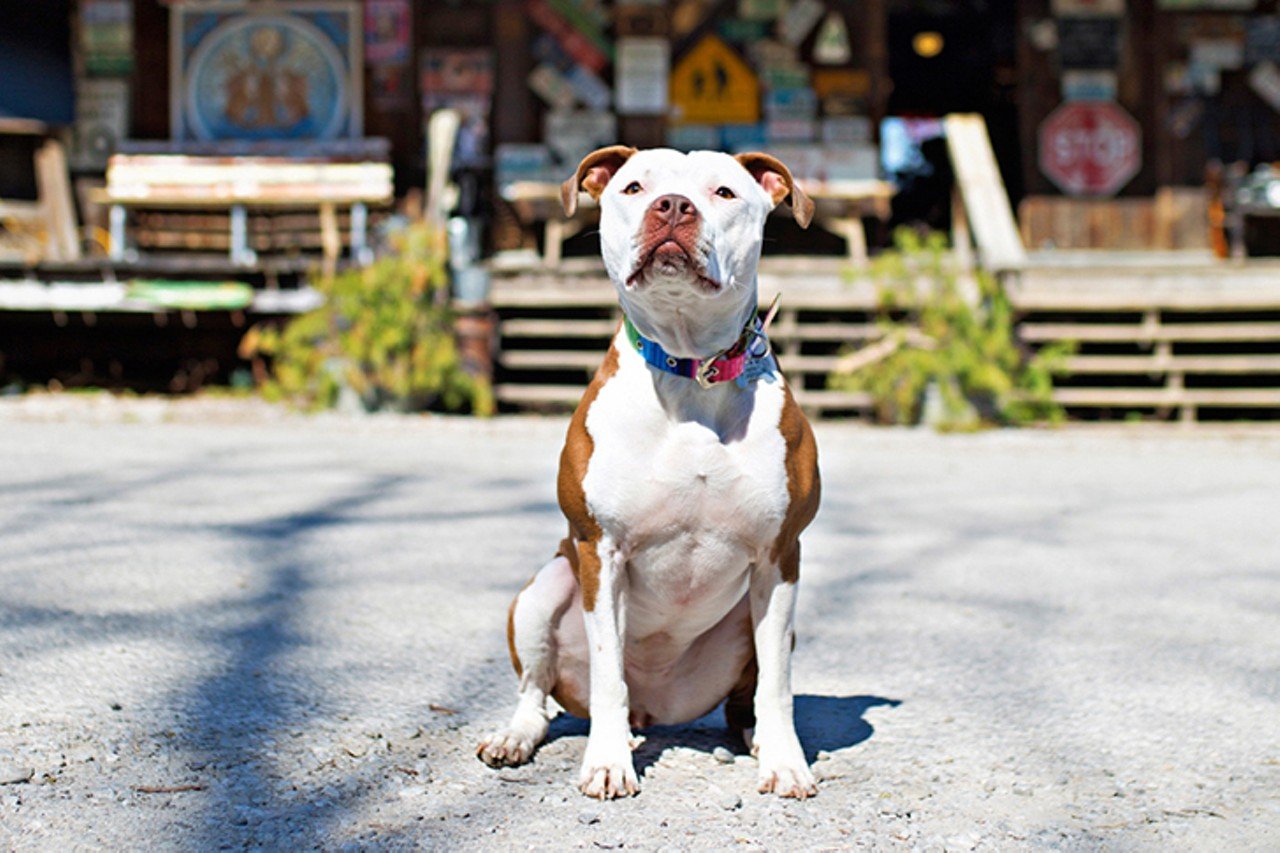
x=266, y=71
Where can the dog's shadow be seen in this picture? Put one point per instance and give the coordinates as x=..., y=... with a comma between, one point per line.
x=824, y=724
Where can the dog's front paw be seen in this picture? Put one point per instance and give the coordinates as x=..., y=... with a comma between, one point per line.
x=606, y=776
x=785, y=773
x=506, y=748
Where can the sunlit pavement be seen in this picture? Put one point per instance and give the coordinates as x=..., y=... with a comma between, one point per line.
x=221, y=624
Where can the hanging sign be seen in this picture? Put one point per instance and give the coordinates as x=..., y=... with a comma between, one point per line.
x=641, y=75
x=1262, y=39
x=106, y=37
x=102, y=120
x=574, y=43
x=1090, y=148
x=712, y=85
x=386, y=32
x=1264, y=79
x=832, y=44
x=1087, y=8
x=800, y=19
x=1080, y=85
x=258, y=71
x=1089, y=42
x=760, y=10
x=550, y=85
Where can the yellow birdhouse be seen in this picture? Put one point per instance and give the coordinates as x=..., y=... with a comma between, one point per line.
x=712, y=85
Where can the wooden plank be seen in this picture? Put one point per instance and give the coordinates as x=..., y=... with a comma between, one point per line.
x=521, y=394
x=1063, y=298
x=585, y=298
x=1225, y=397
x=837, y=332
x=1111, y=364
x=1146, y=333
x=551, y=359
x=557, y=328
x=803, y=364
x=182, y=180
x=590, y=359
x=985, y=199
x=825, y=399
x=57, y=202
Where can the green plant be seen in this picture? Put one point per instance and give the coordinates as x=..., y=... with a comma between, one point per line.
x=385, y=332
x=947, y=353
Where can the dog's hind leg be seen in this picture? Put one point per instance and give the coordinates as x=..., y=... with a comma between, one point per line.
x=531, y=628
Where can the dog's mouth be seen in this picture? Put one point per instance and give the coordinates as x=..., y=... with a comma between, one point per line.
x=668, y=257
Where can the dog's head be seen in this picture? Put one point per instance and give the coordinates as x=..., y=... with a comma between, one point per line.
x=675, y=228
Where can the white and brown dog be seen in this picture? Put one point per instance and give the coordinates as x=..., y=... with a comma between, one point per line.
x=687, y=475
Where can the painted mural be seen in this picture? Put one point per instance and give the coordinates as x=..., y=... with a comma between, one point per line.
x=276, y=73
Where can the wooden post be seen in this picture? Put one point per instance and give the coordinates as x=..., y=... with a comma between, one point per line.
x=330, y=241
x=56, y=201
x=961, y=241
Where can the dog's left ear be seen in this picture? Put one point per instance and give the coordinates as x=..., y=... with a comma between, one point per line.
x=593, y=174
x=778, y=183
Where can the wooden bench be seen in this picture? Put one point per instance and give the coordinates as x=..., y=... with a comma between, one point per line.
x=1194, y=338
x=555, y=325
x=238, y=182
x=841, y=205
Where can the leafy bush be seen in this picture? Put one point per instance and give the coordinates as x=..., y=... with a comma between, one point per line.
x=948, y=354
x=385, y=332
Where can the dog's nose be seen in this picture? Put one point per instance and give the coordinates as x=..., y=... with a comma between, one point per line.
x=673, y=209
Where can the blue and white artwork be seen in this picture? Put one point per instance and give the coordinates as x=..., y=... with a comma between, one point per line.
x=282, y=72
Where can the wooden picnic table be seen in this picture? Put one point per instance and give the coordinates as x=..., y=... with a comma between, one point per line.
x=840, y=207
x=241, y=183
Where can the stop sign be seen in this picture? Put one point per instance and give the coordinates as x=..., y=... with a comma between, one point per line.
x=1090, y=147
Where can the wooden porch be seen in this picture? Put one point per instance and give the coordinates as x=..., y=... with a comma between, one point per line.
x=1172, y=335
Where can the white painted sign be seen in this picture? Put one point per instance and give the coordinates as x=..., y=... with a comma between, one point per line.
x=1265, y=80
x=1080, y=85
x=642, y=75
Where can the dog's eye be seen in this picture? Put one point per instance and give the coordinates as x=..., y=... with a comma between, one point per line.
x=632, y=188
x=725, y=192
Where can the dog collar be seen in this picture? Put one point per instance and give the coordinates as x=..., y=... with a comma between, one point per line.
x=725, y=366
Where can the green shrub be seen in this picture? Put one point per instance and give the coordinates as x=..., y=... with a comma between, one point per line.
x=948, y=354
x=385, y=332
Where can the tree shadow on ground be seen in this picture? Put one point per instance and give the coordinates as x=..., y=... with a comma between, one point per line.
x=824, y=724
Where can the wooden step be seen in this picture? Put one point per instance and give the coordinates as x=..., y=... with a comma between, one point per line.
x=1112, y=364
x=1130, y=332
x=539, y=395
x=558, y=328
x=1172, y=397
x=552, y=359
x=838, y=332
x=823, y=400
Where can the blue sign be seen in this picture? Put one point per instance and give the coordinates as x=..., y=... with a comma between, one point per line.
x=268, y=75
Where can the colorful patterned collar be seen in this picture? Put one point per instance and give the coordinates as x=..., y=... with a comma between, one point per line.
x=728, y=365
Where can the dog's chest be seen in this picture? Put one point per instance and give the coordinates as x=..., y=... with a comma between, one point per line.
x=679, y=496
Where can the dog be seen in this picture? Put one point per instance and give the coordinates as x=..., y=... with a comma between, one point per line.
x=687, y=475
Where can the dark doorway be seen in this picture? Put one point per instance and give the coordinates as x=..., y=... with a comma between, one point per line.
x=35, y=61
x=950, y=56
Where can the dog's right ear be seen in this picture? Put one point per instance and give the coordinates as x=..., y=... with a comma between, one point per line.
x=593, y=174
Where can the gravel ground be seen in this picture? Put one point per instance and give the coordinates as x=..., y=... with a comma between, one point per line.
x=222, y=625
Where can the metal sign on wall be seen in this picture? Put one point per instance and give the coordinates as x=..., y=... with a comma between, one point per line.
x=249, y=71
x=1090, y=148
x=712, y=85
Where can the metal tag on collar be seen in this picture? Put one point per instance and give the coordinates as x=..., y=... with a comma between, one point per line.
x=706, y=370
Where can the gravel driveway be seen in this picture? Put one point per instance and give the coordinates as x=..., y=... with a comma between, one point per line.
x=222, y=626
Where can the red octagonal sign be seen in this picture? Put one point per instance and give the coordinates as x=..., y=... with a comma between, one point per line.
x=1090, y=147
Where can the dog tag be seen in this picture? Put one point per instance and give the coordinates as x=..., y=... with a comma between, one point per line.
x=754, y=369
